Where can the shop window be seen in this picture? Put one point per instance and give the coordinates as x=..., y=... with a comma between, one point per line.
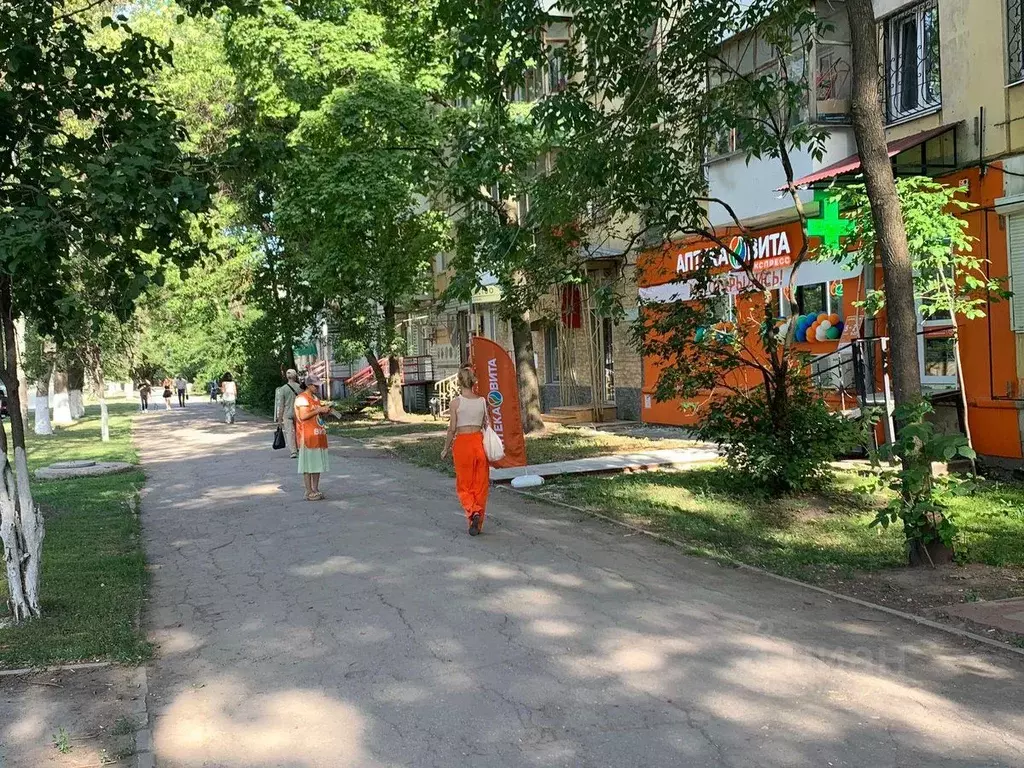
x=819, y=298
x=939, y=359
x=721, y=308
x=913, y=82
x=552, y=366
x=937, y=348
x=1015, y=40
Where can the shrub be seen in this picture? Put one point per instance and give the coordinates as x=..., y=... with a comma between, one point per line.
x=780, y=444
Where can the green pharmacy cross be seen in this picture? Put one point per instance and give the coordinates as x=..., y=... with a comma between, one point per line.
x=829, y=226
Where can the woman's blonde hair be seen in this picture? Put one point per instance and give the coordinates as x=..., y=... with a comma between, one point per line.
x=467, y=379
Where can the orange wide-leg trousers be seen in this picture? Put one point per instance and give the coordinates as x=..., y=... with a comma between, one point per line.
x=472, y=474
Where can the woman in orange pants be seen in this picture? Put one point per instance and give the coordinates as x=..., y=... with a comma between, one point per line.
x=465, y=440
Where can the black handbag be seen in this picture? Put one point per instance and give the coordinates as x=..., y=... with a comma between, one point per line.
x=279, y=442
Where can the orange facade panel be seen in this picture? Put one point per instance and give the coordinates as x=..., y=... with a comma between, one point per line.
x=987, y=345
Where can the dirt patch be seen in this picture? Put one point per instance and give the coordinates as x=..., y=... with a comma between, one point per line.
x=69, y=719
x=930, y=592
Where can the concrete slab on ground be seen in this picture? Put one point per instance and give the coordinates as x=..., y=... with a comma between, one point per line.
x=1007, y=615
x=622, y=462
x=369, y=631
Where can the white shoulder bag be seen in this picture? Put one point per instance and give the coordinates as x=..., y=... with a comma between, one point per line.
x=493, y=446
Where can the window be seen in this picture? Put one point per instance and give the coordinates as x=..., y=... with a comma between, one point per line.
x=721, y=307
x=817, y=299
x=1015, y=40
x=937, y=348
x=1015, y=234
x=912, y=81
x=552, y=366
x=939, y=358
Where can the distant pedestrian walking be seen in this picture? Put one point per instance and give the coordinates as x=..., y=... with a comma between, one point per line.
x=144, y=391
x=228, y=397
x=167, y=393
x=465, y=441
x=284, y=408
x=212, y=388
x=312, y=437
x=181, y=385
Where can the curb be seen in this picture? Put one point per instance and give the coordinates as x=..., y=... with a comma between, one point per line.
x=920, y=620
x=56, y=668
x=144, y=757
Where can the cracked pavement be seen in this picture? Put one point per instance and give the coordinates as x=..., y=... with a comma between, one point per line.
x=370, y=631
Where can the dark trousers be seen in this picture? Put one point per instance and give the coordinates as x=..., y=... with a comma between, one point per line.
x=181, y=397
x=145, y=402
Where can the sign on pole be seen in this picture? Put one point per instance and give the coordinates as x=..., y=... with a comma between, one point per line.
x=497, y=382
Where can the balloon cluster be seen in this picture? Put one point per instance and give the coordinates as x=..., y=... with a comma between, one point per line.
x=818, y=327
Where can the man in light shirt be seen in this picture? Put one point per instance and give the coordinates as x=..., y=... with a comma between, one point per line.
x=284, y=408
x=181, y=385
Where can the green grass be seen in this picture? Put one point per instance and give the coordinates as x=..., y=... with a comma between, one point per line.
x=559, y=445
x=992, y=525
x=93, y=579
x=809, y=537
x=385, y=430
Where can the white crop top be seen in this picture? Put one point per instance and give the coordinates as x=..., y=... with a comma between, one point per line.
x=470, y=413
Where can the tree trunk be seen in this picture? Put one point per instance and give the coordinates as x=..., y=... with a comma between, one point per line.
x=21, y=522
x=76, y=386
x=23, y=392
x=394, y=408
x=897, y=265
x=394, y=402
x=526, y=373
x=100, y=385
x=379, y=377
x=43, y=425
x=61, y=399
x=891, y=234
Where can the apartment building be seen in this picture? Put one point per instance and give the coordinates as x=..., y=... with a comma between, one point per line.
x=953, y=90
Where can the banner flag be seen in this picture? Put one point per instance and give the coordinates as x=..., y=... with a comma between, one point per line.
x=496, y=381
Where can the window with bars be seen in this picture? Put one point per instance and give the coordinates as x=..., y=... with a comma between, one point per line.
x=913, y=82
x=1015, y=40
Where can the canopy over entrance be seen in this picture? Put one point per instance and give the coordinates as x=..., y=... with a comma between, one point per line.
x=929, y=153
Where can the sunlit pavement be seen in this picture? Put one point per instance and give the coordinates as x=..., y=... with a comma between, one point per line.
x=370, y=630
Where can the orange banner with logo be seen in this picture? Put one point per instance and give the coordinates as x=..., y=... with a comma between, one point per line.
x=496, y=381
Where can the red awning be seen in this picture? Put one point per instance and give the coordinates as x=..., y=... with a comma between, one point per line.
x=852, y=163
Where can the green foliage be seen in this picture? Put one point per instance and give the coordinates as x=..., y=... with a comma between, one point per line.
x=92, y=173
x=778, y=450
x=922, y=502
x=193, y=325
x=353, y=205
x=949, y=278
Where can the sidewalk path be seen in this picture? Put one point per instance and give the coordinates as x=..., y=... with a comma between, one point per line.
x=619, y=462
x=370, y=631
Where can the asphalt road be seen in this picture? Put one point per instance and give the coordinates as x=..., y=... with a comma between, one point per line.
x=369, y=630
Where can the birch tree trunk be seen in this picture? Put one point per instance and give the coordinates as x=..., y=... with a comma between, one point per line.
x=43, y=426
x=21, y=522
x=61, y=399
x=76, y=386
x=95, y=359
